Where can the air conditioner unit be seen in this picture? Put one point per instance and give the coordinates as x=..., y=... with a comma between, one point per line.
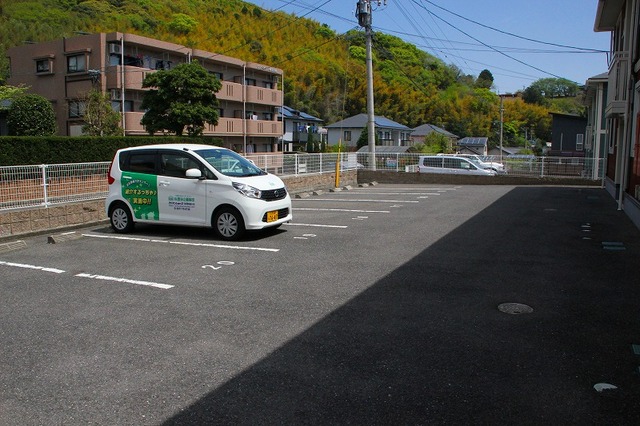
x=115, y=48
x=115, y=94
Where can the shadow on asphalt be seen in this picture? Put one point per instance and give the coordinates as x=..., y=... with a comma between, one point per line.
x=427, y=344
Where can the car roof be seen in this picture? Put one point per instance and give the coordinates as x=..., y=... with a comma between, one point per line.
x=175, y=146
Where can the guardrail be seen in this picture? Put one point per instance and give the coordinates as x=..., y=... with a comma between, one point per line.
x=46, y=185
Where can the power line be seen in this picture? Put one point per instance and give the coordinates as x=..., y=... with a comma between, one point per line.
x=486, y=45
x=511, y=34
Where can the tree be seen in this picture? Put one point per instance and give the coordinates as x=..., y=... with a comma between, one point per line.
x=485, y=80
x=100, y=118
x=31, y=115
x=363, y=140
x=11, y=92
x=549, y=88
x=184, y=97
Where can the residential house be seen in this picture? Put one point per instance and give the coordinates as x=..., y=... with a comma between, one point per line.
x=298, y=125
x=65, y=70
x=421, y=132
x=348, y=131
x=595, y=141
x=469, y=145
x=567, y=135
x=622, y=108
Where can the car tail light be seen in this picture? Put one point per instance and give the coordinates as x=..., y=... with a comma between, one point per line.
x=110, y=178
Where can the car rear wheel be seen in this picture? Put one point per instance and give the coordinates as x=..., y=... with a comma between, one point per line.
x=228, y=224
x=121, y=218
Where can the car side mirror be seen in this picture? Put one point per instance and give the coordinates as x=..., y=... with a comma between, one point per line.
x=194, y=173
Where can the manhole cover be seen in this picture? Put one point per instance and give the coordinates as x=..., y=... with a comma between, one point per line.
x=515, y=308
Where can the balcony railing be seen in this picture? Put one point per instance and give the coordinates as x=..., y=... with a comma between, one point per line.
x=618, y=85
x=225, y=127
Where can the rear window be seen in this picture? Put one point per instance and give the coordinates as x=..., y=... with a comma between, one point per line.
x=432, y=162
x=141, y=162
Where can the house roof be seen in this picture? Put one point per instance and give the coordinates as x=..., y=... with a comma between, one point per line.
x=473, y=141
x=426, y=129
x=383, y=149
x=360, y=121
x=294, y=114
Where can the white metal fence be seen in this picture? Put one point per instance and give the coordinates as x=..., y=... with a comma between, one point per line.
x=46, y=185
x=515, y=166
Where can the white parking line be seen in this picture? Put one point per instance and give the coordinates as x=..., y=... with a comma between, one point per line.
x=39, y=268
x=181, y=243
x=315, y=225
x=124, y=280
x=359, y=201
x=342, y=210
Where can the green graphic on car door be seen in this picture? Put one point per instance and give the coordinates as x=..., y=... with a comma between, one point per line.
x=141, y=191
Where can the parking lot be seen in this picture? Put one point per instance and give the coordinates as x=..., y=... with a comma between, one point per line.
x=377, y=305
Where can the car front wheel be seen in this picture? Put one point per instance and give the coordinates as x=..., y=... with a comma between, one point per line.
x=228, y=224
x=121, y=219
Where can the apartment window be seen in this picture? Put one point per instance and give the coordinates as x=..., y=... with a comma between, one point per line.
x=579, y=142
x=220, y=112
x=76, y=63
x=217, y=74
x=43, y=65
x=268, y=85
x=77, y=109
x=347, y=135
x=267, y=116
x=250, y=81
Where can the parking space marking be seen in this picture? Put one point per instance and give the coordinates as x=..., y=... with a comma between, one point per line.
x=359, y=201
x=305, y=237
x=182, y=243
x=39, y=268
x=124, y=280
x=317, y=225
x=342, y=210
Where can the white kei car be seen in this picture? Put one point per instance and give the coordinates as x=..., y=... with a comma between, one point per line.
x=194, y=185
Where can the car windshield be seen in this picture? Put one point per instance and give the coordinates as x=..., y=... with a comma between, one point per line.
x=475, y=161
x=229, y=163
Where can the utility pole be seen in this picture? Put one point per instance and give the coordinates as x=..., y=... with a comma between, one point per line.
x=363, y=12
x=501, y=123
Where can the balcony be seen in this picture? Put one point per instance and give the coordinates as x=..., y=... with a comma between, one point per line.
x=230, y=91
x=618, y=86
x=225, y=127
x=263, y=96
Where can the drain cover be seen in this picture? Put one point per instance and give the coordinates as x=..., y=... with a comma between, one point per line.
x=515, y=308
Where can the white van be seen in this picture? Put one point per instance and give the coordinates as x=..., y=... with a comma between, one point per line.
x=194, y=185
x=452, y=165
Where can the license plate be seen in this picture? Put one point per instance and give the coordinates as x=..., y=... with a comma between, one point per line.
x=272, y=216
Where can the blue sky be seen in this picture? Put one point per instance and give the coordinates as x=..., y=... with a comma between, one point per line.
x=457, y=32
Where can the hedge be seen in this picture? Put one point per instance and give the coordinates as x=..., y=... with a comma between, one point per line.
x=30, y=150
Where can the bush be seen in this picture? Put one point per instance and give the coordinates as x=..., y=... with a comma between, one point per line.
x=31, y=115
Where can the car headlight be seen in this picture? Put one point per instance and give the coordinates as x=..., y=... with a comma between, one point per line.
x=247, y=190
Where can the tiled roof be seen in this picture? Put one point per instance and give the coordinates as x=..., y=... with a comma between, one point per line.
x=425, y=129
x=360, y=121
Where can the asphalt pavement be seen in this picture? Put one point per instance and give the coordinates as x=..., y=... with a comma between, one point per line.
x=393, y=304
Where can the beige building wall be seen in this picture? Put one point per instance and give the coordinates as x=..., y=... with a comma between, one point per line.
x=64, y=71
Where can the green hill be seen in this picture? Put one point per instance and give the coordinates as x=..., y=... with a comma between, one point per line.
x=324, y=72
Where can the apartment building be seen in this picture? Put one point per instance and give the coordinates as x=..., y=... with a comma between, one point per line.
x=622, y=108
x=65, y=70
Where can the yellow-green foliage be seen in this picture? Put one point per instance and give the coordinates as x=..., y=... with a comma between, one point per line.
x=324, y=72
